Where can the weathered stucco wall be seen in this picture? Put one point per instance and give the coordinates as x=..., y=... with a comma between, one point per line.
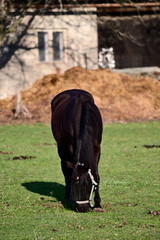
x=135, y=39
x=80, y=46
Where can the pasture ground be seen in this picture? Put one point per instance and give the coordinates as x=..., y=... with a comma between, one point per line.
x=32, y=186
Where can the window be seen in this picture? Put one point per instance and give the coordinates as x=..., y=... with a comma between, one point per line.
x=43, y=46
x=50, y=46
x=57, y=46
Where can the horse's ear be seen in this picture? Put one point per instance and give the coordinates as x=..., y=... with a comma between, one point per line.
x=69, y=164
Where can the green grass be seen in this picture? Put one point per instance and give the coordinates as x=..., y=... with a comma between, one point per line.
x=31, y=189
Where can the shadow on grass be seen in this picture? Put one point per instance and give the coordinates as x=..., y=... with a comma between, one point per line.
x=56, y=190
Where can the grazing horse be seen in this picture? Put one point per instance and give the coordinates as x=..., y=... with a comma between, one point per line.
x=77, y=128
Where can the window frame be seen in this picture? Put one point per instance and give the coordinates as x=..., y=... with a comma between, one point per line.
x=49, y=54
x=59, y=46
x=45, y=46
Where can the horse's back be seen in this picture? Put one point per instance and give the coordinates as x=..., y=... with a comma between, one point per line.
x=68, y=96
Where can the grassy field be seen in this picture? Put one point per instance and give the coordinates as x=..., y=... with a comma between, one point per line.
x=32, y=186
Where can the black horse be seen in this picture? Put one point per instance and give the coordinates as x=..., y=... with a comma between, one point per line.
x=77, y=128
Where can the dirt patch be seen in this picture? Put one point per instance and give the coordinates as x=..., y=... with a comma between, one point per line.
x=152, y=146
x=23, y=157
x=119, y=97
x=154, y=213
x=1, y=152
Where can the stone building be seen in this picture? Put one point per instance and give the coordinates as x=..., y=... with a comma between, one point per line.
x=49, y=42
x=56, y=39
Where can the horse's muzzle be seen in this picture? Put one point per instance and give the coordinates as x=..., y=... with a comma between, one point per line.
x=82, y=207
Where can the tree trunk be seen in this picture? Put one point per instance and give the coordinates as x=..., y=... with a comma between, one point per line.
x=21, y=108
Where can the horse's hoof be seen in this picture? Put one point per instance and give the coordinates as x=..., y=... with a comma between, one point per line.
x=99, y=210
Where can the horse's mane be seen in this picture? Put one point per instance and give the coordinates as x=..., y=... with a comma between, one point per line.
x=89, y=127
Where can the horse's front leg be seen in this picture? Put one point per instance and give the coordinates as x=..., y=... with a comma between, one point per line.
x=97, y=199
x=67, y=172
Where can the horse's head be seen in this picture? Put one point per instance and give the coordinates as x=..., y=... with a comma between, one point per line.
x=81, y=187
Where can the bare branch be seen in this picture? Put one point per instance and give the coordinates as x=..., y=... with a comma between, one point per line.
x=129, y=37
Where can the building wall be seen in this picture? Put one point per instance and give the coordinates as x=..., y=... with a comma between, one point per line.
x=80, y=46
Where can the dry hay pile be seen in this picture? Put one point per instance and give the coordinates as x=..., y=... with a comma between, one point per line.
x=119, y=97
